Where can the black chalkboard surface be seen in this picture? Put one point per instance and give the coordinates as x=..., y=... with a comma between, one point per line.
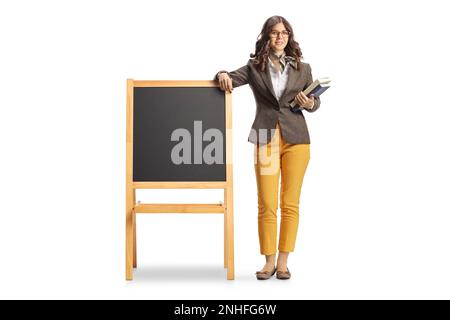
x=158, y=113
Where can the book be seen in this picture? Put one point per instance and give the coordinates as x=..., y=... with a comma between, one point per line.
x=318, y=87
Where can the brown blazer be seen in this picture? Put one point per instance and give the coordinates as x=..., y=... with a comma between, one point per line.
x=269, y=110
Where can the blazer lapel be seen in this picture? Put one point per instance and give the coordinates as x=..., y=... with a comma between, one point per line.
x=293, y=77
x=268, y=81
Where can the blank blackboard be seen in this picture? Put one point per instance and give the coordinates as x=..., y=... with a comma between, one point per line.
x=157, y=112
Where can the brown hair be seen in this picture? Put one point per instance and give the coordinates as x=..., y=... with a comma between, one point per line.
x=262, y=45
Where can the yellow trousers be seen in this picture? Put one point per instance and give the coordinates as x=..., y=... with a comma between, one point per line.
x=292, y=160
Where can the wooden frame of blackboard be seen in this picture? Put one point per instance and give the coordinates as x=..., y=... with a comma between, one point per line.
x=133, y=207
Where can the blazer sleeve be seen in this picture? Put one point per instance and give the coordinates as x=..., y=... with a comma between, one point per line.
x=308, y=82
x=239, y=76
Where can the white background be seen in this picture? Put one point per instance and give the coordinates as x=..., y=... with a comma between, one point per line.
x=374, y=206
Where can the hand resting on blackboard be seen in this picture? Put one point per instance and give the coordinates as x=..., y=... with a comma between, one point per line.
x=225, y=82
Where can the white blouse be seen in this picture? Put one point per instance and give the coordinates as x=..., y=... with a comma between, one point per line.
x=279, y=78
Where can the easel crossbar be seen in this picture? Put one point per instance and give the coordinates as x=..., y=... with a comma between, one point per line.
x=179, y=208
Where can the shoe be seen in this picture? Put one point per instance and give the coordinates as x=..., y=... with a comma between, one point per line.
x=283, y=275
x=265, y=275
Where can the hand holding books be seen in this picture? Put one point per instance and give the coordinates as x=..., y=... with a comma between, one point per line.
x=304, y=101
x=306, y=98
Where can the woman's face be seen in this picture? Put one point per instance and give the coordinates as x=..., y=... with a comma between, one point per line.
x=279, y=37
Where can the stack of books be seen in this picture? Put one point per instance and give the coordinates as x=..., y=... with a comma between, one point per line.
x=317, y=88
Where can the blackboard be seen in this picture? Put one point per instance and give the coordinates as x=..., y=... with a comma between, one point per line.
x=157, y=113
x=178, y=137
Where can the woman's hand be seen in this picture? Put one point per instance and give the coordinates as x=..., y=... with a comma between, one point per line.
x=225, y=82
x=304, y=101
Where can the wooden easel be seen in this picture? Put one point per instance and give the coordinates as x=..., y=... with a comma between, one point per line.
x=133, y=208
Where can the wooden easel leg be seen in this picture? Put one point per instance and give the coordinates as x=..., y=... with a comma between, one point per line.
x=230, y=235
x=129, y=235
x=134, y=241
x=134, y=234
x=225, y=231
x=229, y=226
x=129, y=245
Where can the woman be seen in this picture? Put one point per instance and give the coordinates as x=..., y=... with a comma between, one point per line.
x=277, y=77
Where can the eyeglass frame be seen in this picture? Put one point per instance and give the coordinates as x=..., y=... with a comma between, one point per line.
x=284, y=34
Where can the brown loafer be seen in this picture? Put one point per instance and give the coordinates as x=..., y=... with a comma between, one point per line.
x=283, y=275
x=264, y=275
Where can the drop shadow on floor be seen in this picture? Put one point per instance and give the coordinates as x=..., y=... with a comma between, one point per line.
x=188, y=273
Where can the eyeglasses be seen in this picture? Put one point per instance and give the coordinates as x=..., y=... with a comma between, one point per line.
x=284, y=33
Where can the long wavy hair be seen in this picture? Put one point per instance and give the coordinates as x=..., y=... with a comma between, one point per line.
x=262, y=46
